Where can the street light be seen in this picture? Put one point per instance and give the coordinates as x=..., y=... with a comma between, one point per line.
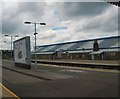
x=35, y=23
x=11, y=41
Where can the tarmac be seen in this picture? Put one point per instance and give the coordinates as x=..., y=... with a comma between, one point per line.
x=60, y=81
x=34, y=73
x=51, y=76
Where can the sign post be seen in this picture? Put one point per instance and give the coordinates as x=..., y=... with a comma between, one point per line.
x=22, y=52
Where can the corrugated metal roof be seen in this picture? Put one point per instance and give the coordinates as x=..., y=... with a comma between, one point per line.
x=108, y=43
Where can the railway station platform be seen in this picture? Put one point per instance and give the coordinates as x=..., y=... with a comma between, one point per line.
x=110, y=62
x=6, y=93
x=46, y=75
x=67, y=79
x=106, y=64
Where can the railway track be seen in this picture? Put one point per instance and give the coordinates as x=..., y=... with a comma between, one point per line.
x=76, y=64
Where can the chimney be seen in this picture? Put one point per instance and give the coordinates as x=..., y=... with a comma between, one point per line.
x=95, y=46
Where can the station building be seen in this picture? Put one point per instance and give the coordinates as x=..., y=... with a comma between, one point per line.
x=107, y=48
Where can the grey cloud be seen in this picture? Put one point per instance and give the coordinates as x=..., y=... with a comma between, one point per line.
x=83, y=9
x=110, y=25
x=63, y=40
x=10, y=26
x=119, y=20
x=48, y=36
x=92, y=25
x=35, y=9
x=0, y=23
x=13, y=19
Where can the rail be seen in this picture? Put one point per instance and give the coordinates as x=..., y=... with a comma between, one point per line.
x=76, y=64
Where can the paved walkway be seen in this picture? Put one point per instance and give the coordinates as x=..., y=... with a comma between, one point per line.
x=85, y=84
x=34, y=73
x=37, y=74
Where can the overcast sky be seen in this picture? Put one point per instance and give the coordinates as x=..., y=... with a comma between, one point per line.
x=65, y=21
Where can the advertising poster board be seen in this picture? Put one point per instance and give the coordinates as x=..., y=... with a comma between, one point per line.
x=22, y=52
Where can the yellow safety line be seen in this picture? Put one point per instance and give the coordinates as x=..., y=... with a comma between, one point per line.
x=10, y=91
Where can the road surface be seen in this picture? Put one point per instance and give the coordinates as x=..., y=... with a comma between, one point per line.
x=68, y=83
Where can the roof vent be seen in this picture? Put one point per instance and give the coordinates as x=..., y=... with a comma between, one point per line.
x=95, y=46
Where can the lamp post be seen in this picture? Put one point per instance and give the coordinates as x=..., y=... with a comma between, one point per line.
x=35, y=24
x=11, y=41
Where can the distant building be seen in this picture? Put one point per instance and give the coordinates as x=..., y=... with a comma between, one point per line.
x=93, y=49
x=7, y=54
